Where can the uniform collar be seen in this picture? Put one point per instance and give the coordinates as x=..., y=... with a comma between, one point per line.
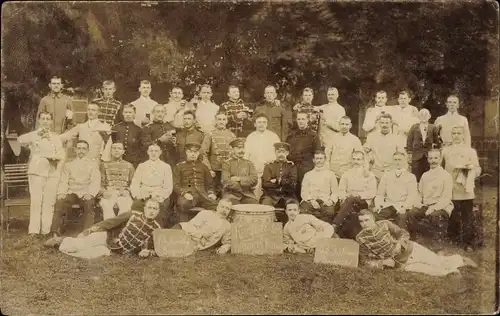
x=55, y=95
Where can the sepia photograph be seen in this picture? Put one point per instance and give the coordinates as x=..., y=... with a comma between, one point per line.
x=250, y=157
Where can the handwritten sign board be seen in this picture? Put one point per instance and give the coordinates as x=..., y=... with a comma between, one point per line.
x=256, y=238
x=172, y=243
x=337, y=251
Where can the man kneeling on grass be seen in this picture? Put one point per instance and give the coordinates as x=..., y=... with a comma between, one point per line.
x=302, y=231
x=384, y=244
x=136, y=231
x=207, y=228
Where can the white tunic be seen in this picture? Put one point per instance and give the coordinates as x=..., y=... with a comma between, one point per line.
x=259, y=148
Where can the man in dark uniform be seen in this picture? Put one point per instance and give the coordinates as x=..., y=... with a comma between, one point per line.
x=110, y=109
x=188, y=134
x=304, y=143
x=193, y=184
x=279, y=180
x=161, y=133
x=279, y=116
x=130, y=135
x=239, y=176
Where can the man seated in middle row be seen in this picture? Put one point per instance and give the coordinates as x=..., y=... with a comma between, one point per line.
x=116, y=176
x=319, y=190
x=357, y=188
x=279, y=179
x=397, y=192
x=193, y=183
x=239, y=176
x=152, y=179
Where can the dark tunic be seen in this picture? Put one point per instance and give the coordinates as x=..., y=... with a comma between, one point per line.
x=150, y=135
x=285, y=174
x=130, y=135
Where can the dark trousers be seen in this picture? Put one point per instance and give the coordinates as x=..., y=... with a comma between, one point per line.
x=63, y=205
x=437, y=222
x=390, y=213
x=218, y=183
x=460, y=227
x=163, y=215
x=324, y=213
x=418, y=167
x=346, y=219
x=184, y=205
x=276, y=201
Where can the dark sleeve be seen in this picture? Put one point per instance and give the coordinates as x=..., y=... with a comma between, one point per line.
x=290, y=182
x=316, y=143
x=114, y=136
x=119, y=115
x=209, y=182
x=177, y=180
x=409, y=139
x=111, y=223
x=286, y=118
x=251, y=180
x=146, y=137
x=399, y=234
x=267, y=176
x=435, y=136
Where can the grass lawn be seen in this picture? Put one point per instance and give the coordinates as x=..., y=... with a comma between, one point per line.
x=38, y=281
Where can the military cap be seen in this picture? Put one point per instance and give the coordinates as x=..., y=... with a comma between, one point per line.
x=281, y=145
x=237, y=142
x=193, y=146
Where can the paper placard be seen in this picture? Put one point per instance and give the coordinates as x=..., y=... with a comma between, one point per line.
x=256, y=238
x=337, y=251
x=172, y=243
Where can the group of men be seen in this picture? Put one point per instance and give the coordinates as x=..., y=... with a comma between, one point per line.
x=183, y=154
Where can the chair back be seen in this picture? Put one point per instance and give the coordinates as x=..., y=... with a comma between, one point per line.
x=14, y=176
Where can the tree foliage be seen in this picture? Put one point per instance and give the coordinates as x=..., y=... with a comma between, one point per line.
x=360, y=47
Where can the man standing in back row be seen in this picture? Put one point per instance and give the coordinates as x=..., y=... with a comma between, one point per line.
x=58, y=104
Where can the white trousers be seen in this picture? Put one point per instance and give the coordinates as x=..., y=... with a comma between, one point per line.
x=90, y=246
x=43, y=192
x=311, y=243
x=425, y=261
x=124, y=205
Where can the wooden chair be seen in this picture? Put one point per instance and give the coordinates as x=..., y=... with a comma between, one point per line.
x=14, y=177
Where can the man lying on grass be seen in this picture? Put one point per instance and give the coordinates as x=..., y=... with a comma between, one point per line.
x=384, y=244
x=302, y=231
x=208, y=228
x=136, y=230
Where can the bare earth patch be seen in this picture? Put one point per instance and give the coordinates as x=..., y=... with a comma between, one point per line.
x=35, y=280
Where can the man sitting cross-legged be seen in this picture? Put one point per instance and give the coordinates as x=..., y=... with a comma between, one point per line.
x=239, y=176
x=116, y=176
x=435, y=187
x=152, y=179
x=319, y=190
x=383, y=243
x=357, y=188
x=208, y=228
x=193, y=184
x=79, y=184
x=135, y=235
x=397, y=192
x=302, y=231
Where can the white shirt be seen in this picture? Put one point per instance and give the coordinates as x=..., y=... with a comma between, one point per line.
x=80, y=176
x=423, y=130
x=397, y=188
x=371, y=116
x=205, y=115
x=339, y=152
x=382, y=149
x=404, y=118
x=330, y=117
x=448, y=121
x=259, y=148
x=89, y=132
x=319, y=183
x=354, y=183
x=150, y=178
x=172, y=109
x=210, y=225
x=436, y=188
x=143, y=106
x=305, y=230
